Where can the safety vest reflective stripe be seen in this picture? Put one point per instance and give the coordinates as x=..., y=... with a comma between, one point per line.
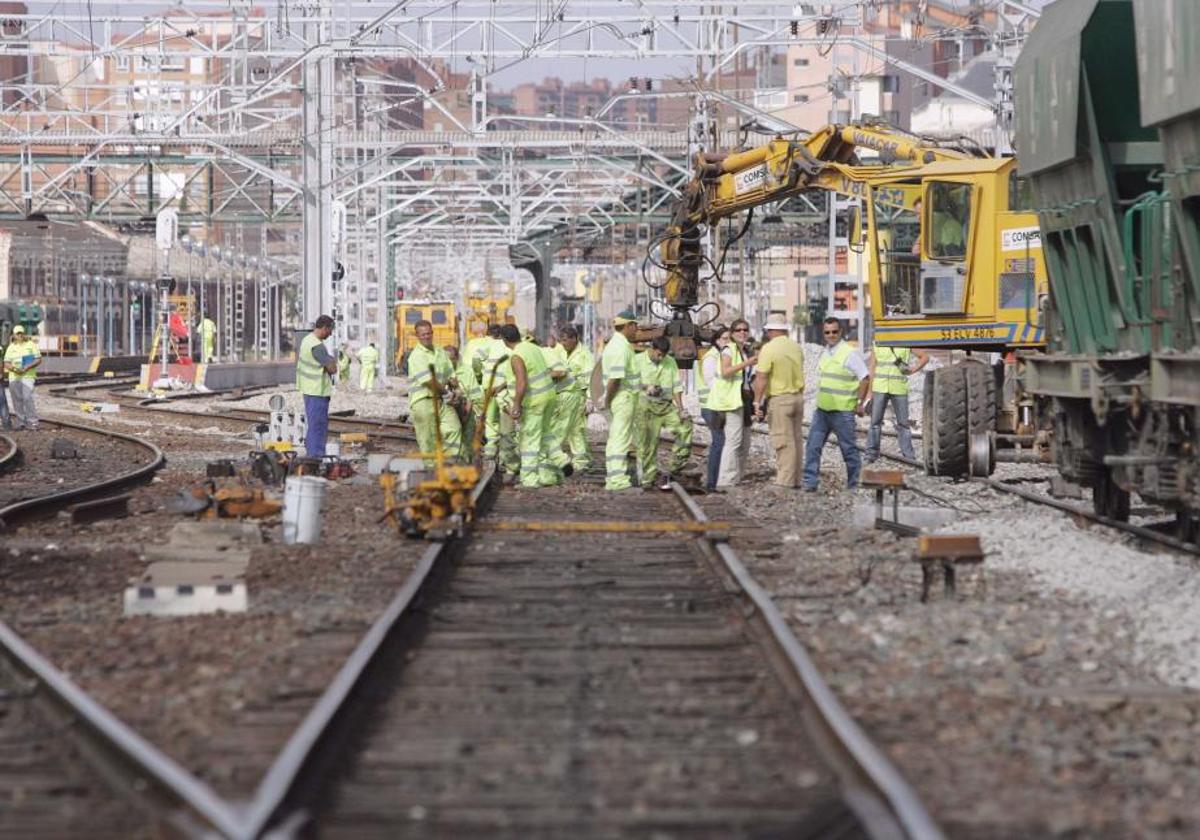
x=539, y=383
x=311, y=378
x=579, y=365
x=702, y=386
x=556, y=358
x=837, y=386
x=537, y=374
x=419, y=362
x=889, y=379
x=726, y=394
x=615, y=465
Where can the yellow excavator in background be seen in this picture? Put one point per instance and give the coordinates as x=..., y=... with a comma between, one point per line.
x=488, y=303
x=952, y=264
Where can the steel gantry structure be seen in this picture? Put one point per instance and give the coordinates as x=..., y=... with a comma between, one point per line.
x=368, y=128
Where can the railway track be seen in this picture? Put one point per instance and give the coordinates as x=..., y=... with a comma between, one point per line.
x=377, y=428
x=616, y=683
x=77, y=755
x=49, y=791
x=27, y=496
x=1142, y=532
x=610, y=684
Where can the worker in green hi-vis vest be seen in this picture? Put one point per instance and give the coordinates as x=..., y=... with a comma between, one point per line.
x=315, y=367
x=368, y=365
x=208, y=339
x=890, y=368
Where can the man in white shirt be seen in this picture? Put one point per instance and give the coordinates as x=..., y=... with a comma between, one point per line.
x=842, y=392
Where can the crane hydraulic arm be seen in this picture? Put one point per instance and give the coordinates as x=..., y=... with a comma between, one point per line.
x=726, y=184
x=951, y=261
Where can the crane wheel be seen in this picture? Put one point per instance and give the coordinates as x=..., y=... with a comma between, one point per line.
x=943, y=425
x=959, y=403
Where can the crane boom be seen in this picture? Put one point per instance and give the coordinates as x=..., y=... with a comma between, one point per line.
x=726, y=184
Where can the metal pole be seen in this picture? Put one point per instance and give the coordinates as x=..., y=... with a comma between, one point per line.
x=131, y=347
x=83, y=313
x=165, y=329
x=191, y=304
x=112, y=305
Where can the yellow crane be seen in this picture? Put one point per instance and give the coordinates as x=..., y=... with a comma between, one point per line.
x=952, y=262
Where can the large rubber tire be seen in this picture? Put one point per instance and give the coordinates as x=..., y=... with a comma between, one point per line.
x=981, y=385
x=944, y=424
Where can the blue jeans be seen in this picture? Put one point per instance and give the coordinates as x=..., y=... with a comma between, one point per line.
x=840, y=423
x=715, y=448
x=316, y=413
x=903, y=429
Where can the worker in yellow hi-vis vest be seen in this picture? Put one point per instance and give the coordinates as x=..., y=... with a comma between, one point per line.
x=571, y=369
x=532, y=404
x=660, y=406
x=208, y=339
x=368, y=364
x=426, y=361
x=621, y=386
x=315, y=367
x=842, y=389
x=890, y=368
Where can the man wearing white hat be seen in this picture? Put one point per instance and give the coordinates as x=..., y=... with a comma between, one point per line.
x=779, y=382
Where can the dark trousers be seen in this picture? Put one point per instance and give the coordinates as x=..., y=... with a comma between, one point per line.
x=316, y=413
x=5, y=420
x=841, y=424
x=716, y=430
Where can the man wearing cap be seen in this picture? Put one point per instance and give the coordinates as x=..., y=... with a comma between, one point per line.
x=779, y=382
x=315, y=367
x=21, y=360
x=620, y=400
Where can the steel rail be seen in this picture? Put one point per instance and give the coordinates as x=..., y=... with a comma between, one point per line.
x=124, y=757
x=379, y=427
x=1066, y=507
x=266, y=809
x=40, y=505
x=873, y=788
x=1140, y=531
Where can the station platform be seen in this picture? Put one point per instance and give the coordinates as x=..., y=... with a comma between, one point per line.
x=221, y=376
x=92, y=364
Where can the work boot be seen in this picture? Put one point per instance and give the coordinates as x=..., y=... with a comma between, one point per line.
x=664, y=483
x=568, y=470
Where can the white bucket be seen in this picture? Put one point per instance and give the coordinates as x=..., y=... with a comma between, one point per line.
x=302, y=498
x=333, y=449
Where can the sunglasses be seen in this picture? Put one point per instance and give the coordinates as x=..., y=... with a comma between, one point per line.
x=740, y=329
x=833, y=332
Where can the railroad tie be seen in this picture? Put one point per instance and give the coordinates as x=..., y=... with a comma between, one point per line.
x=711, y=530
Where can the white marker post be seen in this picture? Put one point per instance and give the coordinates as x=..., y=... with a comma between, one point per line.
x=166, y=231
